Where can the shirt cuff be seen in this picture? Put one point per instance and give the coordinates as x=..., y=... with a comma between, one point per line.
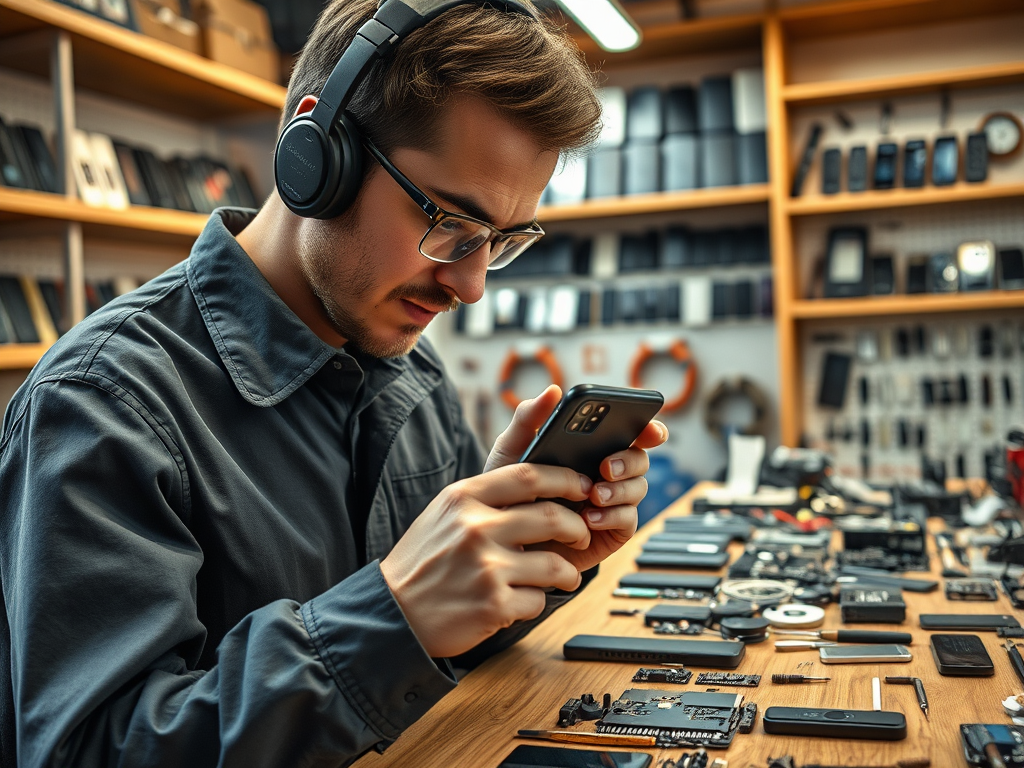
x=373, y=655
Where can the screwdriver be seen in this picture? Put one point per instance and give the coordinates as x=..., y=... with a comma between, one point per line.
x=922, y=699
x=786, y=679
x=852, y=635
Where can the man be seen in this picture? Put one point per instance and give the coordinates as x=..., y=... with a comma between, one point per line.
x=243, y=520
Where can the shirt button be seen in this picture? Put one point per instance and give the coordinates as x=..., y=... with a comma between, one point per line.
x=410, y=697
x=338, y=365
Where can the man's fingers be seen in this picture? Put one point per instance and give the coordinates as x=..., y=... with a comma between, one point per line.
x=621, y=521
x=632, y=462
x=654, y=434
x=530, y=416
x=541, y=521
x=512, y=484
x=631, y=491
x=540, y=568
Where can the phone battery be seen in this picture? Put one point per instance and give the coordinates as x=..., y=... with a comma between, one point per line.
x=870, y=606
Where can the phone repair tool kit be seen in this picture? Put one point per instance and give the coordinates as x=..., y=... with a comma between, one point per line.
x=922, y=698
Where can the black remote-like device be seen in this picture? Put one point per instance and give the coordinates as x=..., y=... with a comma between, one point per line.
x=835, y=723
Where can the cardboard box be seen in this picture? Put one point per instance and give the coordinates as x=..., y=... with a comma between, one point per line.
x=237, y=33
x=162, y=20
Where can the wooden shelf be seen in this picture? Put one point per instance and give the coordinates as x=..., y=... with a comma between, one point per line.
x=873, y=87
x=121, y=63
x=20, y=356
x=658, y=202
x=901, y=198
x=877, y=306
x=137, y=222
x=679, y=38
x=848, y=17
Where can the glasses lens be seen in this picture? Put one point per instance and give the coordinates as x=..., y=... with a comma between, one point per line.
x=452, y=239
x=506, y=248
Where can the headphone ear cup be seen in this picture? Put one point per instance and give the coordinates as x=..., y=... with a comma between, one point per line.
x=304, y=164
x=347, y=147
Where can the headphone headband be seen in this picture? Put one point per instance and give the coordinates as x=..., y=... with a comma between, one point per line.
x=393, y=22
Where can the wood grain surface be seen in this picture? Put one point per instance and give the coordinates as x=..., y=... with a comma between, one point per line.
x=525, y=686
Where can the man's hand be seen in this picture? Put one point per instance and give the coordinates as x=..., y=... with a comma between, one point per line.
x=611, y=512
x=466, y=567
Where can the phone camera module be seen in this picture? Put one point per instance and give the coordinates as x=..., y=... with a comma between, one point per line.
x=587, y=417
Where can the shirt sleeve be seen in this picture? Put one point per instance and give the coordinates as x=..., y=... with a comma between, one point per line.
x=98, y=568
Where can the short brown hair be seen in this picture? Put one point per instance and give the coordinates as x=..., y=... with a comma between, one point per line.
x=532, y=73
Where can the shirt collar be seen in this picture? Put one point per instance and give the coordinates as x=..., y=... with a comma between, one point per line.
x=267, y=350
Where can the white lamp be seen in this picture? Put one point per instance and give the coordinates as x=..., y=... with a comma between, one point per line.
x=605, y=21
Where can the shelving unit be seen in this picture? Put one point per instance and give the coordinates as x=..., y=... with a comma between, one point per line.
x=76, y=50
x=119, y=63
x=661, y=202
x=918, y=304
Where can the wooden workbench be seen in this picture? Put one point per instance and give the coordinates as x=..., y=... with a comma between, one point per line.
x=524, y=687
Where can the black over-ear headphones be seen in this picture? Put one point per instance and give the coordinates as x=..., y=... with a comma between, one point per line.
x=318, y=163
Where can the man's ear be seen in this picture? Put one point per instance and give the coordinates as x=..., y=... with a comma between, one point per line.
x=306, y=105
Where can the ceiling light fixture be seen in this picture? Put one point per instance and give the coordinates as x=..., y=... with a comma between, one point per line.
x=605, y=21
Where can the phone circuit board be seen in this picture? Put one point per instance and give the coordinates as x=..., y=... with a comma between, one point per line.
x=675, y=719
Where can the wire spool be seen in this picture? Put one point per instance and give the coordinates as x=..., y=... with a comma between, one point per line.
x=760, y=591
x=795, y=616
x=738, y=388
x=679, y=351
x=746, y=630
x=732, y=608
x=543, y=355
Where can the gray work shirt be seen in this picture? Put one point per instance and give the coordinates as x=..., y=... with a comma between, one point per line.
x=181, y=478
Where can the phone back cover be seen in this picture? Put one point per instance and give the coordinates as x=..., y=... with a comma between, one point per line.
x=584, y=452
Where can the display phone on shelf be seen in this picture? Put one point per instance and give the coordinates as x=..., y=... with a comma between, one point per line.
x=591, y=423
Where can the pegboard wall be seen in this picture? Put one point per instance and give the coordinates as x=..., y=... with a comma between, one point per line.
x=905, y=392
x=909, y=232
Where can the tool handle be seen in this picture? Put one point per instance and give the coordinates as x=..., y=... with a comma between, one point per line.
x=868, y=636
x=1016, y=661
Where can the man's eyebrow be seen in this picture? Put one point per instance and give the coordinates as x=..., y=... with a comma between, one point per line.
x=470, y=207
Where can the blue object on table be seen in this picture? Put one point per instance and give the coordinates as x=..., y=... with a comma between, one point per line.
x=665, y=484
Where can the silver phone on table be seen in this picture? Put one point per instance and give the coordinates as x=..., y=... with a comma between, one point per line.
x=858, y=654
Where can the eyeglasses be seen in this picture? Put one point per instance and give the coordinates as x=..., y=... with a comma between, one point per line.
x=453, y=236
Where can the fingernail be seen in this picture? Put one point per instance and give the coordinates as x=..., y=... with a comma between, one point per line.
x=604, y=492
x=618, y=466
x=594, y=515
x=664, y=430
x=586, y=483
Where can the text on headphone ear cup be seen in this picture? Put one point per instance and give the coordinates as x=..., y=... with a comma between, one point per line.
x=300, y=162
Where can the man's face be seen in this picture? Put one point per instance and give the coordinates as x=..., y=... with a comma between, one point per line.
x=378, y=291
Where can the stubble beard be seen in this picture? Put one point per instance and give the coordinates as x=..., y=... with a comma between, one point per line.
x=336, y=265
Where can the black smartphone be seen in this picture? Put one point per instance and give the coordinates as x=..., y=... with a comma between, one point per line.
x=961, y=656
x=979, y=621
x=885, y=165
x=570, y=757
x=591, y=423
x=915, y=161
x=945, y=161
